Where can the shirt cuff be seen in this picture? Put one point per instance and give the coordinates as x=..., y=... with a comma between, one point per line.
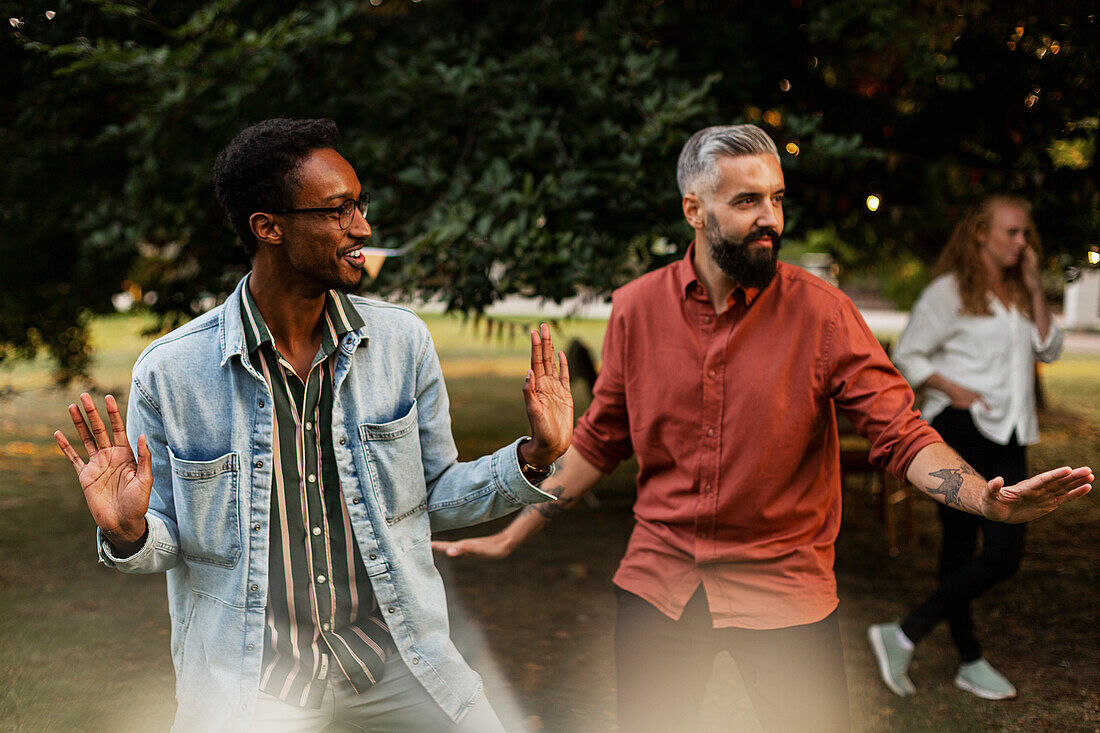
x=107, y=552
x=1048, y=349
x=511, y=480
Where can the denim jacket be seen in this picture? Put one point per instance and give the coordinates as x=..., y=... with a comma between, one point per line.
x=208, y=417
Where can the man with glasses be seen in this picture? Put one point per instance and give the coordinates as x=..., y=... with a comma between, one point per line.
x=293, y=456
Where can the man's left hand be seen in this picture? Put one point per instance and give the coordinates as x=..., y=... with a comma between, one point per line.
x=1036, y=496
x=549, y=401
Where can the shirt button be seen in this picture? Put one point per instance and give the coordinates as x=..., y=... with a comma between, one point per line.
x=711, y=373
x=259, y=464
x=312, y=479
x=325, y=627
x=316, y=530
x=309, y=426
x=320, y=579
x=710, y=431
x=255, y=587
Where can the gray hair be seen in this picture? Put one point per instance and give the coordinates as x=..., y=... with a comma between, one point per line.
x=697, y=168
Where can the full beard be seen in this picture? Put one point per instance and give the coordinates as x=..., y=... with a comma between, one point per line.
x=747, y=265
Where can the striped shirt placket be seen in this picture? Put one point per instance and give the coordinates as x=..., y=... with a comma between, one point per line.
x=298, y=408
x=295, y=668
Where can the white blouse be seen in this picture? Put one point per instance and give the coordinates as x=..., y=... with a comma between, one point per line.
x=992, y=355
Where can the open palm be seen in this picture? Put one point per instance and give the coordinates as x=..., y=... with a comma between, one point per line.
x=1036, y=496
x=116, y=486
x=548, y=399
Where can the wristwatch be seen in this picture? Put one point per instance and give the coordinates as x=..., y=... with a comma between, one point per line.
x=534, y=474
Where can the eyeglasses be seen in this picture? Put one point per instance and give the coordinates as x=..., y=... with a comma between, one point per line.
x=344, y=212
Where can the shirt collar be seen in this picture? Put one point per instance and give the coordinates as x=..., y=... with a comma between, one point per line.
x=340, y=314
x=687, y=280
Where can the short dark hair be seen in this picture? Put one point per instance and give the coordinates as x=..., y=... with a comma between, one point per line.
x=256, y=171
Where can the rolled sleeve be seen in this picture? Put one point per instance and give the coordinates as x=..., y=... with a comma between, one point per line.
x=1048, y=349
x=873, y=395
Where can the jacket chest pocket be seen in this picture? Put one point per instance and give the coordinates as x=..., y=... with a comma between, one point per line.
x=206, y=500
x=392, y=452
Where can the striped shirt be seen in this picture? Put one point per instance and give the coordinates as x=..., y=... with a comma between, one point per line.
x=322, y=617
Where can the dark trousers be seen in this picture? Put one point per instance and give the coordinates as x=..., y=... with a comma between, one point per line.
x=795, y=676
x=966, y=573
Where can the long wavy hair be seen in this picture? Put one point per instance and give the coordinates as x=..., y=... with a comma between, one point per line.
x=962, y=256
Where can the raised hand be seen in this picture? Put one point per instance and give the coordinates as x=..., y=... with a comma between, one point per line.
x=549, y=401
x=116, y=487
x=1036, y=496
x=1029, y=267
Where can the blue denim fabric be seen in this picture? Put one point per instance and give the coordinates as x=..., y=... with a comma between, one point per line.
x=208, y=417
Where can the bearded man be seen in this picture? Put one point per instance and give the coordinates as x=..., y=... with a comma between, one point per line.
x=721, y=372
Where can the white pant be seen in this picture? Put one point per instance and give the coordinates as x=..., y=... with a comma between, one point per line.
x=397, y=703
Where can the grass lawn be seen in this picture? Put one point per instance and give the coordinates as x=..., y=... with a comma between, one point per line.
x=84, y=648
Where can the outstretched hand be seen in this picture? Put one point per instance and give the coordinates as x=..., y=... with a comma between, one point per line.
x=489, y=547
x=549, y=401
x=1036, y=496
x=116, y=486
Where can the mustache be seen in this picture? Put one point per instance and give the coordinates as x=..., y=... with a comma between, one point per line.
x=760, y=233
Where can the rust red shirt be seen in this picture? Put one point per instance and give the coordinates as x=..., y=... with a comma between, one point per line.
x=732, y=419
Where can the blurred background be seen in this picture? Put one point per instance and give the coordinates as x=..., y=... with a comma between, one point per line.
x=525, y=154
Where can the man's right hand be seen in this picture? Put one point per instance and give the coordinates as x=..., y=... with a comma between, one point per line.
x=116, y=487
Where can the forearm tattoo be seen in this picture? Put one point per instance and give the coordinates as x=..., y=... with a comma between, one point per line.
x=952, y=481
x=551, y=509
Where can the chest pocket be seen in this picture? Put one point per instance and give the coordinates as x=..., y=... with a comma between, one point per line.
x=392, y=452
x=206, y=499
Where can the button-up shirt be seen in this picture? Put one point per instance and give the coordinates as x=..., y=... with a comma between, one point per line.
x=208, y=416
x=732, y=418
x=321, y=612
x=993, y=355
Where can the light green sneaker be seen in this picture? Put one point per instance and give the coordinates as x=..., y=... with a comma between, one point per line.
x=893, y=660
x=979, y=677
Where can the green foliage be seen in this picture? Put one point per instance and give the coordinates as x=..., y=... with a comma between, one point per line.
x=521, y=147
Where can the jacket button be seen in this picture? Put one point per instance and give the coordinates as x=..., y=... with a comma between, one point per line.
x=373, y=556
x=256, y=527
x=343, y=441
x=355, y=500
x=391, y=609
x=251, y=647
x=255, y=587
x=261, y=403
x=416, y=660
x=259, y=464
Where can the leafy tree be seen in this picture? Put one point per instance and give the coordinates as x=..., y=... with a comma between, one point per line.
x=519, y=147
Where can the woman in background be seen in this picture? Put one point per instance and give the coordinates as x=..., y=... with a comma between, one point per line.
x=970, y=348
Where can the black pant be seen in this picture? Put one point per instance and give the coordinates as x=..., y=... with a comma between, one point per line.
x=795, y=676
x=964, y=573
